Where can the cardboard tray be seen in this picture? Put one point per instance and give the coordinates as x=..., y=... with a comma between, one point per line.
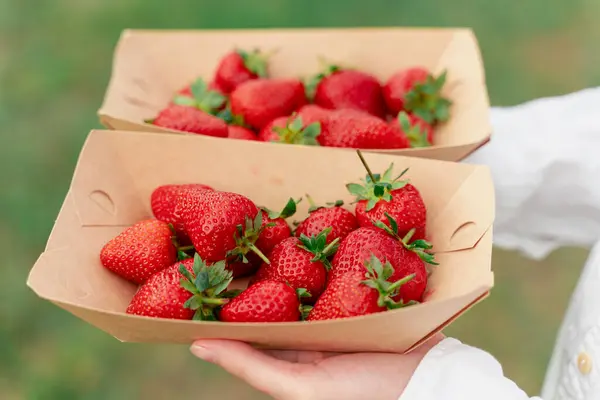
x=117, y=171
x=150, y=66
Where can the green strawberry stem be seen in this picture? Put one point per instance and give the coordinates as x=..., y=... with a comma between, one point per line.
x=364, y=163
x=182, y=255
x=208, y=287
x=295, y=132
x=245, y=239
x=256, y=61
x=209, y=101
x=304, y=309
x=317, y=245
x=376, y=186
x=420, y=246
x=377, y=277
x=216, y=302
x=259, y=253
x=416, y=135
x=425, y=100
x=185, y=248
x=231, y=118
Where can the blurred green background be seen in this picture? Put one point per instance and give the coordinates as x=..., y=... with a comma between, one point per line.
x=55, y=60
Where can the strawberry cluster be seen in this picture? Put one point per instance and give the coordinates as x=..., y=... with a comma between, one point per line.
x=339, y=107
x=334, y=264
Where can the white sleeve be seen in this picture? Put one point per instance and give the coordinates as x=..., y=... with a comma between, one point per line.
x=454, y=371
x=544, y=158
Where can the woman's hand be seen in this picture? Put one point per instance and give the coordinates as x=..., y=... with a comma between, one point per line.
x=306, y=375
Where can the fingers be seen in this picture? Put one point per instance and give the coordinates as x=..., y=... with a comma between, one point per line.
x=299, y=357
x=267, y=374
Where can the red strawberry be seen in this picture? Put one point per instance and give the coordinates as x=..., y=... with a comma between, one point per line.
x=222, y=225
x=190, y=119
x=301, y=262
x=165, y=200
x=239, y=132
x=238, y=67
x=384, y=194
x=176, y=293
x=417, y=91
x=290, y=130
x=265, y=301
x=274, y=226
x=418, y=132
x=346, y=88
x=406, y=258
x=259, y=101
x=313, y=113
x=340, y=220
x=360, y=292
x=356, y=129
x=140, y=251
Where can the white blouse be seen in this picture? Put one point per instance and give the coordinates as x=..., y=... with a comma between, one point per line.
x=544, y=157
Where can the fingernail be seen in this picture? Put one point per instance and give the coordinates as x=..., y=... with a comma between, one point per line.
x=202, y=352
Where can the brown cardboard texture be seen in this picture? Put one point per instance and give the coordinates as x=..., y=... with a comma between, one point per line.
x=118, y=170
x=150, y=66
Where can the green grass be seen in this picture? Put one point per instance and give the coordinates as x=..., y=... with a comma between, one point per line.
x=55, y=63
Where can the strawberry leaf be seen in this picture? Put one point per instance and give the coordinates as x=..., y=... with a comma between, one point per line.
x=202, y=281
x=302, y=293
x=187, y=285
x=245, y=240
x=294, y=132
x=288, y=210
x=377, y=278
x=184, y=101
x=425, y=100
x=419, y=246
x=376, y=187
x=255, y=62
x=202, y=98
x=305, y=311
x=317, y=245
x=205, y=286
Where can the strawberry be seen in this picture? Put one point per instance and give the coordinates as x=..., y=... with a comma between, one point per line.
x=346, y=88
x=265, y=301
x=384, y=194
x=301, y=262
x=274, y=226
x=418, y=132
x=190, y=119
x=417, y=91
x=406, y=258
x=356, y=129
x=176, y=292
x=223, y=225
x=238, y=67
x=340, y=220
x=361, y=292
x=259, y=101
x=290, y=130
x=140, y=251
x=239, y=132
x=165, y=200
x=313, y=113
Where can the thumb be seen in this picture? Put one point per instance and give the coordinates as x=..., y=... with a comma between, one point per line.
x=267, y=374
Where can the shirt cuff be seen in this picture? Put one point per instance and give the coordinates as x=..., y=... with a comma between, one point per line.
x=454, y=371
